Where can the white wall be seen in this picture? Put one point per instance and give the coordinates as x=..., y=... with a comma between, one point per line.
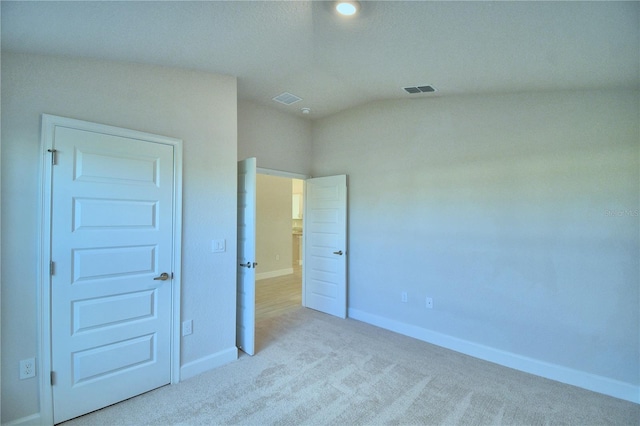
x=198, y=108
x=279, y=141
x=517, y=214
x=273, y=227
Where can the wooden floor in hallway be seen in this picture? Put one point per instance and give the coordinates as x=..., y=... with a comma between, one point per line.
x=276, y=296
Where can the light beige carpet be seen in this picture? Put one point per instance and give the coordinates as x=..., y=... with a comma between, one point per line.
x=314, y=369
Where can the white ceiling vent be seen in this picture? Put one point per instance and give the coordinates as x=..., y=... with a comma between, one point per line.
x=287, y=98
x=419, y=89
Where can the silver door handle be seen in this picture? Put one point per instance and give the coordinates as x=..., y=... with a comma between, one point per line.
x=339, y=252
x=246, y=265
x=163, y=277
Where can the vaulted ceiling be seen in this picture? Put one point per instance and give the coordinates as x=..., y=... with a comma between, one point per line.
x=334, y=63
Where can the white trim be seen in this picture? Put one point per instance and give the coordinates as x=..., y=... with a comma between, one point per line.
x=273, y=274
x=49, y=122
x=34, y=419
x=199, y=366
x=176, y=333
x=281, y=173
x=592, y=382
x=43, y=290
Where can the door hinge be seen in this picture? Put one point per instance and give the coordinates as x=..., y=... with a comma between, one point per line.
x=52, y=268
x=53, y=378
x=53, y=156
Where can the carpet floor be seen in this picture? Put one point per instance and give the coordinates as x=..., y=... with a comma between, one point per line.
x=314, y=369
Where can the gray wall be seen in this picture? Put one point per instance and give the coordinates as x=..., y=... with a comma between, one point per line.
x=517, y=214
x=198, y=108
x=279, y=141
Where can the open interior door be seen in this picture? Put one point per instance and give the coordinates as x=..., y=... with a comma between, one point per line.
x=325, y=245
x=246, y=286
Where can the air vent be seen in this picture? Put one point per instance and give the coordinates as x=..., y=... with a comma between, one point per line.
x=419, y=89
x=287, y=98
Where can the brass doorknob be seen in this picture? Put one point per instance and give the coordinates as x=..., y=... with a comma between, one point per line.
x=163, y=277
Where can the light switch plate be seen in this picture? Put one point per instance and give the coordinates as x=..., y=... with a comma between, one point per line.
x=218, y=246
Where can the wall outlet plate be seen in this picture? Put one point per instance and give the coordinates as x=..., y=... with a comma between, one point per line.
x=27, y=368
x=187, y=327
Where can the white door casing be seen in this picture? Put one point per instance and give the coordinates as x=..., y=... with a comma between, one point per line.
x=325, y=245
x=111, y=225
x=246, y=264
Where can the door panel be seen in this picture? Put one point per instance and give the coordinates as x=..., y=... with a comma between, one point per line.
x=114, y=214
x=92, y=314
x=325, y=283
x=112, y=359
x=246, y=285
x=112, y=234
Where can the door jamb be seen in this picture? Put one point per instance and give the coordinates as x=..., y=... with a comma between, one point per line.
x=272, y=172
x=43, y=299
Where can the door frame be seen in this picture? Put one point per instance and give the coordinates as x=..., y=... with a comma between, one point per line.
x=43, y=300
x=272, y=172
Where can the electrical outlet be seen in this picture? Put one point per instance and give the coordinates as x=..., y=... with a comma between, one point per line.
x=27, y=368
x=429, y=303
x=187, y=327
x=403, y=297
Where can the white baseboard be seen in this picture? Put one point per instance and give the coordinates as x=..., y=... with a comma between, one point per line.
x=193, y=368
x=34, y=419
x=581, y=379
x=273, y=274
x=187, y=371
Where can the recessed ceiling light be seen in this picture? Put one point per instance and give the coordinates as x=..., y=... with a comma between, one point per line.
x=347, y=8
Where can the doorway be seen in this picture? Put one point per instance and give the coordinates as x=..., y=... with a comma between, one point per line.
x=279, y=225
x=324, y=279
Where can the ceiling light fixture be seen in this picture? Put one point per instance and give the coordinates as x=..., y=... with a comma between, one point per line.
x=347, y=8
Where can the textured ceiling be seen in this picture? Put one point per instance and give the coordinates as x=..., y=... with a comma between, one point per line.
x=335, y=63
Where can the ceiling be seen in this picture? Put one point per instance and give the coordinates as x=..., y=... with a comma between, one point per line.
x=335, y=63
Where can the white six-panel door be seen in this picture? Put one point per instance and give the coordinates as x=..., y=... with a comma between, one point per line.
x=325, y=245
x=112, y=224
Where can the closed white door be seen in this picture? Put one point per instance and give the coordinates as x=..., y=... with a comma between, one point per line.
x=246, y=285
x=325, y=235
x=112, y=223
